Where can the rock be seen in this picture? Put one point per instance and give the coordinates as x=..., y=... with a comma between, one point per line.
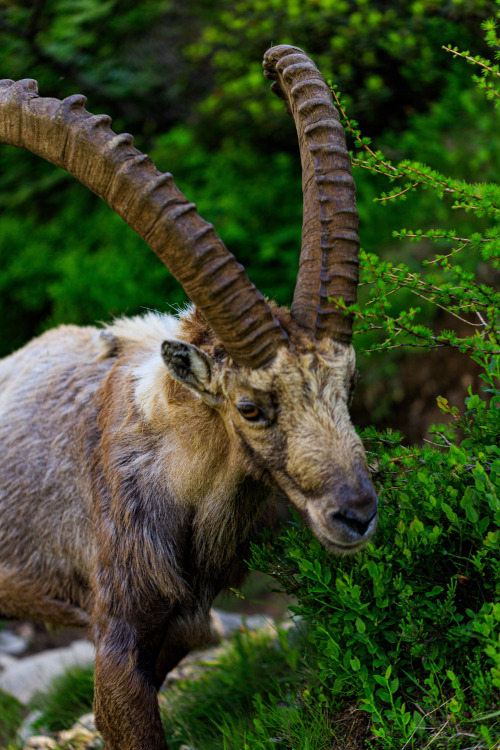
x=82, y=736
x=27, y=730
x=41, y=743
x=193, y=665
x=31, y=675
x=78, y=738
x=225, y=623
x=87, y=721
x=7, y=661
x=12, y=644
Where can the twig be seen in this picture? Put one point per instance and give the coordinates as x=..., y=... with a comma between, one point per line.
x=396, y=195
x=473, y=60
x=465, y=240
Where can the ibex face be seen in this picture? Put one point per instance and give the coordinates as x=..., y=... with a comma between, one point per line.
x=292, y=421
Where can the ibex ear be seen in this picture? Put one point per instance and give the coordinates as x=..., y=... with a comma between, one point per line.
x=190, y=366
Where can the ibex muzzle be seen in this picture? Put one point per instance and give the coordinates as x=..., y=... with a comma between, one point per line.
x=137, y=461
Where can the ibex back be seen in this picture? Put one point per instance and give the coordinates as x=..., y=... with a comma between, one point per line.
x=137, y=460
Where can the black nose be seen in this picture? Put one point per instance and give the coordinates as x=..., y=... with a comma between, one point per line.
x=356, y=512
x=353, y=523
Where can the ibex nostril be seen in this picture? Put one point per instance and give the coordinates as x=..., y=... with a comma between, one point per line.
x=355, y=525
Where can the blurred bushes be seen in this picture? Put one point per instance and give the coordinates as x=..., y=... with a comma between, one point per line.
x=188, y=82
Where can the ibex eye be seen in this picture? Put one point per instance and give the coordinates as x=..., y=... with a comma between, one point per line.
x=251, y=412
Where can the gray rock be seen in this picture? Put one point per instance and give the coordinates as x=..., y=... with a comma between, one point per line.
x=225, y=623
x=6, y=661
x=41, y=742
x=13, y=644
x=27, y=730
x=87, y=721
x=26, y=677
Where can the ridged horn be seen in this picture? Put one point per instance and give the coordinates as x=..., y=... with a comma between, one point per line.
x=328, y=266
x=64, y=133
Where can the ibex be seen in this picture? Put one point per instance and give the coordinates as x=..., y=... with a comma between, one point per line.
x=137, y=460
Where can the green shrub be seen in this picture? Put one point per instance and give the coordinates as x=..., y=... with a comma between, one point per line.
x=408, y=632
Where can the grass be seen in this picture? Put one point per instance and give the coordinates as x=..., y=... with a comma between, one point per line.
x=258, y=694
x=255, y=696
x=11, y=715
x=211, y=711
x=202, y=712
x=69, y=696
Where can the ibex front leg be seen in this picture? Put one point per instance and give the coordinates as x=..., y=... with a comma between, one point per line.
x=125, y=697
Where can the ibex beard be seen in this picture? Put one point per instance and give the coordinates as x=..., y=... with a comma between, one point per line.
x=138, y=461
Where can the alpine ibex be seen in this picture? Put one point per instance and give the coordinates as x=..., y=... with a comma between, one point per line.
x=137, y=460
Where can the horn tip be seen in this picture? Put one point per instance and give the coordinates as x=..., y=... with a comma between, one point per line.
x=279, y=50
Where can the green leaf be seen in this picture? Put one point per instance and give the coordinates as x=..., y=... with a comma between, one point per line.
x=360, y=625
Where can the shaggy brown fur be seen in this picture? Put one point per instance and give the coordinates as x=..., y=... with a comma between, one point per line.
x=131, y=483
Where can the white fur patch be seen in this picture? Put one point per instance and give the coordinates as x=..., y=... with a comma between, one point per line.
x=146, y=330
x=150, y=391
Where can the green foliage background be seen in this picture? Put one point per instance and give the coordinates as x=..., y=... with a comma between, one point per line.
x=186, y=79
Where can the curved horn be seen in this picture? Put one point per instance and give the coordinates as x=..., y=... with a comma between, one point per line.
x=64, y=133
x=328, y=267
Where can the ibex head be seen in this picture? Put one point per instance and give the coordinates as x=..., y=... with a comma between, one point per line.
x=281, y=380
x=290, y=420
